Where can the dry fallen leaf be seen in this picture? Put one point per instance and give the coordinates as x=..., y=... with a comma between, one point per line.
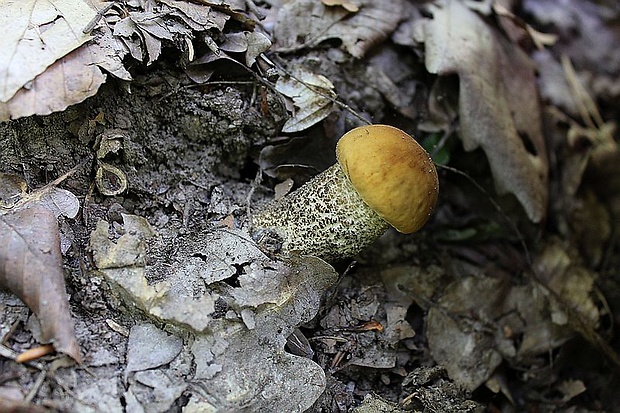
x=465, y=346
x=68, y=81
x=14, y=195
x=498, y=100
x=108, y=52
x=312, y=95
x=143, y=31
x=36, y=34
x=306, y=23
x=46, y=66
x=347, y=4
x=150, y=347
x=31, y=267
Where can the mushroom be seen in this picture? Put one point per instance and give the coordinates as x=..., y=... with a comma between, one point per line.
x=383, y=177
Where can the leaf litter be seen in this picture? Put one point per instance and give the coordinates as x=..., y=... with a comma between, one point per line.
x=38, y=34
x=312, y=98
x=229, y=303
x=69, y=71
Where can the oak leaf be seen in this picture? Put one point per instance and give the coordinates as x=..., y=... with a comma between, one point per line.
x=499, y=106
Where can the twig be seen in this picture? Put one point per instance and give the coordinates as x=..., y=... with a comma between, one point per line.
x=100, y=13
x=36, y=386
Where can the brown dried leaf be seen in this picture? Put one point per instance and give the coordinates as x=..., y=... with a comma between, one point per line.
x=252, y=43
x=13, y=195
x=576, y=302
x=257, y=44
x=307, y=23
x=198, y=16
x=498, y=100
x=36, y=34
x=463, y=346
x=68, y=81
x=31, y=267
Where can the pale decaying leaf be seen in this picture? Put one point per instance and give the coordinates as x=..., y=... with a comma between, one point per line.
x=470, y=340
x=36, y=34
x=149, y=347
x=14, y=196
x=498, y=100
x=66, y=82
x=576, y=301
x=571, y=389
x=252, y=43
x=154, y=390
x=306, y=23
x=198, y=16
x=148, y=29
x=107, y=52
x=31, y=267
x=463, y=346
x=239, y=305
x=373, y=403
x=57, y=200
x=312, y=95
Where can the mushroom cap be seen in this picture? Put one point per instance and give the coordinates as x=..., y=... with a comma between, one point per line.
x=392, y=173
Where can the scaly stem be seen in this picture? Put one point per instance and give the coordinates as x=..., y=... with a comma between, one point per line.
x=326, y=217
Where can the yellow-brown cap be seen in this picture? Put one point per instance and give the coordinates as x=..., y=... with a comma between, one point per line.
x=392, y=173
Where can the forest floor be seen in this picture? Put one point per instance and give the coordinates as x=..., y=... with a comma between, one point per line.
x=135, y=199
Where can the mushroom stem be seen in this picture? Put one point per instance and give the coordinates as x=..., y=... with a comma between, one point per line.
x=326, y=217
x=383, y=177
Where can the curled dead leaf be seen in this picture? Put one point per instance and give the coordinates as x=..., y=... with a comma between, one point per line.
x=31, y=267
x=346, y=4
x=110, y=180
x=312, y=96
